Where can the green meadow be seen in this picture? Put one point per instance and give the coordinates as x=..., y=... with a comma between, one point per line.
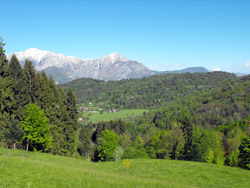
x=95, y=117
x=20, y=169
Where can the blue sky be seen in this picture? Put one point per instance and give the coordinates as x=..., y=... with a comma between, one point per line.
x=163, y=35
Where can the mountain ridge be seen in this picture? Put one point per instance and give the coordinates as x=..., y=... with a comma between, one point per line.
x=189, y=69
x=110, y=67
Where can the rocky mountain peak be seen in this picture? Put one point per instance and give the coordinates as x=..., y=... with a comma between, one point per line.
x=115, y=57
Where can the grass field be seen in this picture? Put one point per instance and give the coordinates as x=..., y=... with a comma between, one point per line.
x=96, y=117
x=39, y=170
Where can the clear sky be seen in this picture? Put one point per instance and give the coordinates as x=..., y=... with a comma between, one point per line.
x=162, y=34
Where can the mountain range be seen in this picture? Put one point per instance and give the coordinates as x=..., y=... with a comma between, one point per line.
x=190, y=70
x=110, y=67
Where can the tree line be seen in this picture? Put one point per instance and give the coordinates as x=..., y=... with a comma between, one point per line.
x=34, y=113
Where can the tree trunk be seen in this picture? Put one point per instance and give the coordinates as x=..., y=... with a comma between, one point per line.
x=27, y=147
x=14, y=145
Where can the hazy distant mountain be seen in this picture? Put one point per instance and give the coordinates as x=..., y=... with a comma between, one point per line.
x=190, y=69
x=64, y=68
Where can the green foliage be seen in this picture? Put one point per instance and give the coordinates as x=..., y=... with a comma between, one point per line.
x=223, y=105
x=36, y=127
x=206, y=146
x=21, y=86
x=136, y=149
x=232, y=158
x=107, y=145
x=84, y=145
x=14, y=133
x=2, y=44
x=32, y=80
x=154, y=91
x=244, y=155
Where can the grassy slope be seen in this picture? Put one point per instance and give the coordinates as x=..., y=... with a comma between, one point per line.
x=45, y=170
x=96, y=117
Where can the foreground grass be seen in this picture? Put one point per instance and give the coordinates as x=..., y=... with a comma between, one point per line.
x=96, y=117
x=38, y=170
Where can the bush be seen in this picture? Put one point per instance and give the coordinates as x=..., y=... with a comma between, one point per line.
x=232, y=159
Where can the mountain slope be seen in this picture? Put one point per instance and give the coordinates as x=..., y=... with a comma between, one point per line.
x=110, y=67
x=153, y=91
x=229, y=103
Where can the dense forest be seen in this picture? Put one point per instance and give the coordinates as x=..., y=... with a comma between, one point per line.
x=149, y=92
x=34, y=114
x=209, y=125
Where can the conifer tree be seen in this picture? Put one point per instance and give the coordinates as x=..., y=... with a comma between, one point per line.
x=85, y=141
x=2, y=44
x=14, y=133
x=31, y=79
x=20, y=87
x=187, y=129
x=73, y=114
x=244, y=155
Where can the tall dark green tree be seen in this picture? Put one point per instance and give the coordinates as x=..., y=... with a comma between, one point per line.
x=14, y=133
x=2, y=44
x=31, y=80
x=20, y=87
x=84, y=141
x=187, y=129
x=244, y=156
x=71, y=107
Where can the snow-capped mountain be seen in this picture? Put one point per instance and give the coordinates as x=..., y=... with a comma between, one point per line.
x=64, y=68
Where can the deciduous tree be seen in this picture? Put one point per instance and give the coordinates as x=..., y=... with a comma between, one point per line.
x=36, y=127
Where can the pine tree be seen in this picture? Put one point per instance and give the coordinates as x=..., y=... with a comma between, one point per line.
x=187, y=129
x=244, y=156
x=71, y=105
x=14, y=133
x=2, y=44
x=20, y=87
x=32, y=80
x=85, y=141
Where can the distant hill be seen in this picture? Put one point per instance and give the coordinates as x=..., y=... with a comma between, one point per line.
x=153, y=91
x=190, y=70
x=228, y=103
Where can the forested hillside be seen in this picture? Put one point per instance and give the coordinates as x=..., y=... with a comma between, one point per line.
x=154, y=91
x=209, y=126
x=221, y=105
x=34, y=114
